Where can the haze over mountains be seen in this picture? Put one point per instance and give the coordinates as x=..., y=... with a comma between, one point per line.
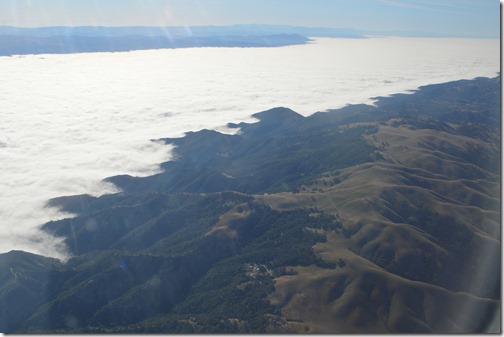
x=367, y=219
x=62, y=40
x=47, y=40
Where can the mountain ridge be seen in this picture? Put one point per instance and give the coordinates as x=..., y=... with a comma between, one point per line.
x=90, y=39
x=85, y=39
x=366, y=219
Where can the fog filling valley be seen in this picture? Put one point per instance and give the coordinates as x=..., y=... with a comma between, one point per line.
x=68, y=121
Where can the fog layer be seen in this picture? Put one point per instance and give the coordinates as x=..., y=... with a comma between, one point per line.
x=68, y=121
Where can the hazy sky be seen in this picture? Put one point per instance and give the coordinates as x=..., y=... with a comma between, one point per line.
x=470, y=18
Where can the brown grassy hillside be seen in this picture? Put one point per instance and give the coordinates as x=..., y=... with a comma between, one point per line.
x=420, y=239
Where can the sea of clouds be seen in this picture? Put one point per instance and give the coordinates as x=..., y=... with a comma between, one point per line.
x=68, y=121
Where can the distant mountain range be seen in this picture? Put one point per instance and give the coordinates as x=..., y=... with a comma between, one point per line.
x=19, y=41
x=179, y=31
x=365, y=219
x=60, y=40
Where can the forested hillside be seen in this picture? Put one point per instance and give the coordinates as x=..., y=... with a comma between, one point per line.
x=365, y=219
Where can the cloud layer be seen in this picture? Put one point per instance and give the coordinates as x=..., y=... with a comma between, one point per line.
x=68, y=121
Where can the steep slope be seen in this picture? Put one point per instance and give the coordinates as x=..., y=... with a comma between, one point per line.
x=26, y=282
x=429, y=211
x=367, y=219
x=267, y=156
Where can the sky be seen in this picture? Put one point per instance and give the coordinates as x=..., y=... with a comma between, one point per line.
x=450, y=18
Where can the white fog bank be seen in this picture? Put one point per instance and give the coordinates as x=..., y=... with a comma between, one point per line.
x=68, y=121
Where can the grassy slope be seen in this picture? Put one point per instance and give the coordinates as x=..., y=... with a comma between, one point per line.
x=420, y=243
x=423, y=229
x=362, y=220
